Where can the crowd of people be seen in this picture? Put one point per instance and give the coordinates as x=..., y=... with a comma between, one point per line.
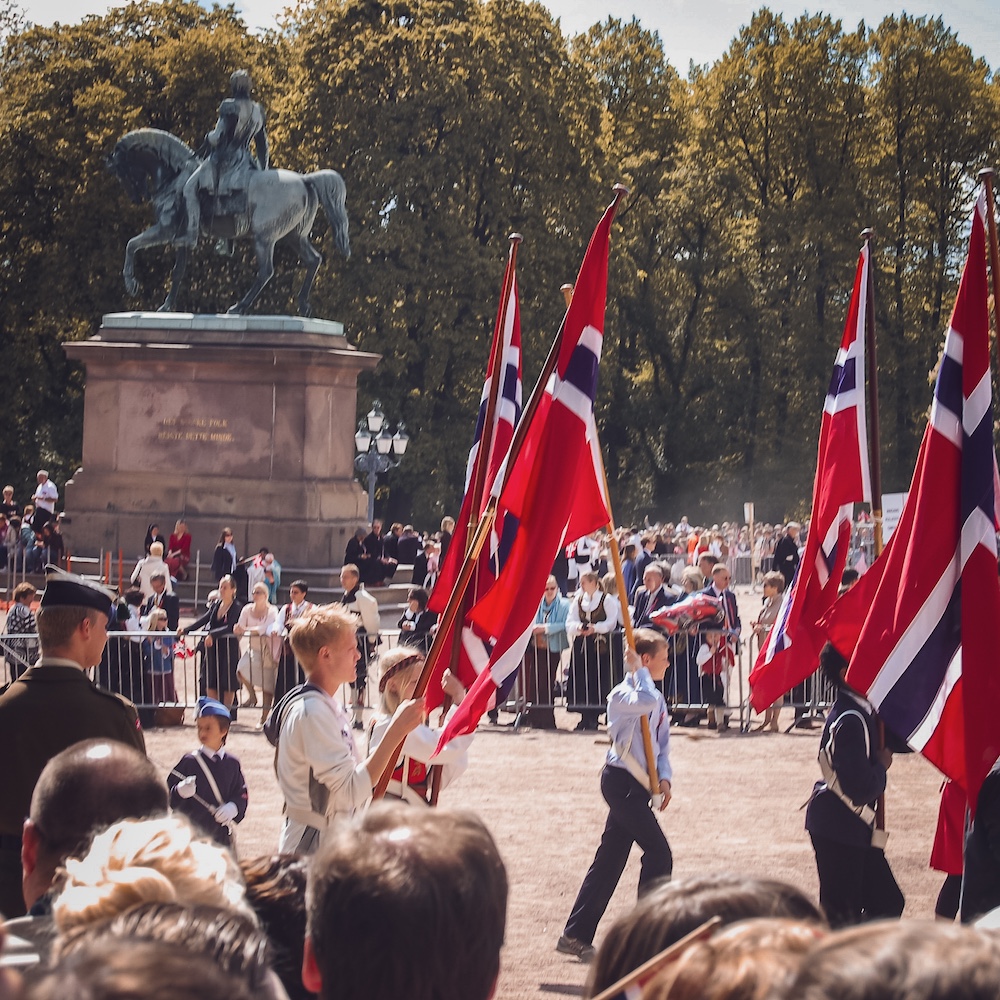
x=31, y=535
x=118, y=882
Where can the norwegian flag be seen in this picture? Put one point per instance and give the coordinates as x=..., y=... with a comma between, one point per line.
x=553, y=488
x=925, y=654
x=842, y=479
x=506, y=355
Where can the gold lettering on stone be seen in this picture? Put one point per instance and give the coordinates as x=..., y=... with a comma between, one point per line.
x=212, y=430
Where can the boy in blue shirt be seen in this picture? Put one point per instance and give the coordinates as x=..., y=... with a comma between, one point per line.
x=625, y=787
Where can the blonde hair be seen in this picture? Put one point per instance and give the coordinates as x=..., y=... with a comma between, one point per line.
x=147, y=861
x=156, y=550
x=318, y=627
x=397, y=664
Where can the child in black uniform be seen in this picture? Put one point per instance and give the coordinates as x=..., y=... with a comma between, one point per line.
x=207, y=785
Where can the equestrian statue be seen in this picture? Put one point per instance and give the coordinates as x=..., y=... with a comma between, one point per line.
x=228, y=193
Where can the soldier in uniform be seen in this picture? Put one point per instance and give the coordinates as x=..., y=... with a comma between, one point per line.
x=53, y=705
x=226, y=170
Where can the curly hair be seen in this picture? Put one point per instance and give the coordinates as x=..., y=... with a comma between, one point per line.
x=147, y=861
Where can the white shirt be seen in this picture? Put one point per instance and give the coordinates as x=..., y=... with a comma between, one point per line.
x=46, y=496
x=317, y=754
x=612, y=612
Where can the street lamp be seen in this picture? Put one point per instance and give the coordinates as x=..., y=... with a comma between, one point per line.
x=376, y=445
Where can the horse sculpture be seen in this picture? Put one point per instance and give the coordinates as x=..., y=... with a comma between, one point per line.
x=153, y=166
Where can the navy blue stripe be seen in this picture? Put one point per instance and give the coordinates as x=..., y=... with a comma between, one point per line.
x=582, y=370
x=977, y=468
x=480, y=421
x=948, y=388
x=510, y=380
x=845, y=377
x=913, y=694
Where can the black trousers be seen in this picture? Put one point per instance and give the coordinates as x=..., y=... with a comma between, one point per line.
x=855, y=883
x=630, y=820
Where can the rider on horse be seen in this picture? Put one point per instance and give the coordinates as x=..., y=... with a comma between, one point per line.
x=225, y=171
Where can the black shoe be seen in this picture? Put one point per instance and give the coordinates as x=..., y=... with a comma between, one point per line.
x=571, y=946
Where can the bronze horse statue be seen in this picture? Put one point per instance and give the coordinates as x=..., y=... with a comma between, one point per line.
x=153, y=166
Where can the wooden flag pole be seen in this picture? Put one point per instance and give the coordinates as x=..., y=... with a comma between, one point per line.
x=660, y=961
x=616, y=559
x=986, y=176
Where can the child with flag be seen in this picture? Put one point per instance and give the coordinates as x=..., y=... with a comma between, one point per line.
x=625, y=787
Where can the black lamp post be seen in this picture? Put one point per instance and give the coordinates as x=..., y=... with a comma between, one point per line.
x=377, y=448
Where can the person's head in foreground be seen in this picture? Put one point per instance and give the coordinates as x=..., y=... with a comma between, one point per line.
x=674, y=909
x=83, y=789
x=115, y=969
x=324, y=642
x=406, y=902
x=147, y=861
x=748, y=960
x=895, y=960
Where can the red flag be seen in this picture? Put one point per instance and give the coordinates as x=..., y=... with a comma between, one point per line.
x=553, y=487
x=925, y=654
x=842, y=479
x=491, y=447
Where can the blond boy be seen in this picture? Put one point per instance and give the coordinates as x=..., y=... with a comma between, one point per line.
x=321, y=773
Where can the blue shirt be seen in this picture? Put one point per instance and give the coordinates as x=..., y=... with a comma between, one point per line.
x=628, y=702
x=553, y=616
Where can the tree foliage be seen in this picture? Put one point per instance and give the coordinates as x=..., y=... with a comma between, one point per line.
x=457, y=122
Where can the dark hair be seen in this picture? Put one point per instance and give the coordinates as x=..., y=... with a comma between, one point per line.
x=392, y=872
x=831, y=663
x=86, y=788
x=134, y=597
x=117, y=968
x=276, y=889
x=299, y=585
x=901, y=961
x=420, y=595
x=674, y=909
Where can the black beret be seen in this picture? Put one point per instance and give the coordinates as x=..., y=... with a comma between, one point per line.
x=64, y=590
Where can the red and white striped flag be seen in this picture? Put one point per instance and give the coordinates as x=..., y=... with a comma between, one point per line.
x=494, y=443
x=842, y=479
x=553, y=488
x=919, y=633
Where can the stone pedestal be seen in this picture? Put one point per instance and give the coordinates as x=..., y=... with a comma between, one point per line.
x=245, y=421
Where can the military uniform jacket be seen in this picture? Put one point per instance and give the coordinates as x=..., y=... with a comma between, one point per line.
x=49, y=708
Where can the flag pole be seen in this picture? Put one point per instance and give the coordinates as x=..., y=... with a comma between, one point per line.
x=871, y=350
x=875, y=456
x=986, y=176
x=616, y=559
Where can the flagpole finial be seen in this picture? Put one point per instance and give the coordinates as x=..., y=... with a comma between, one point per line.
x=868, y=234
x=515, y=238
x=620, y=191
x=986, y=173
x=567, y=292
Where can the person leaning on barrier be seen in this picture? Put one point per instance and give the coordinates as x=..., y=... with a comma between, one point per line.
x=543, y=657
x=52, y=706
x=20, y=653
x=406, y=902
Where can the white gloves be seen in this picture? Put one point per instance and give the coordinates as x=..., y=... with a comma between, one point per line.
x=226, y=813
x=186, y=788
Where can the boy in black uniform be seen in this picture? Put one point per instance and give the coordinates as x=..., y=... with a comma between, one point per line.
x=855, y=880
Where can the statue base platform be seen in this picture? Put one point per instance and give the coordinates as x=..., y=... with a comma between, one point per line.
x=239, y=421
